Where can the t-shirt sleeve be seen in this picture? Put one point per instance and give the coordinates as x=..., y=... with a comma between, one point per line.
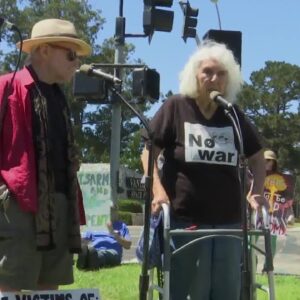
x=87, y=235
x=122, y=229
x=162, y=125
x=125, y=233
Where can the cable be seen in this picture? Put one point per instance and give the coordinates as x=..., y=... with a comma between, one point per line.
x=19, y=55
x=218, y=13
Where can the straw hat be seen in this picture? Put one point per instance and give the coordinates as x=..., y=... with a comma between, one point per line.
x=269, y=154
x=54, y=30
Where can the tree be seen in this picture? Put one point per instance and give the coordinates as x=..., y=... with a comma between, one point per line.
x=92, y=123
x=131, y=154
x=272, y=101
x=25, y=13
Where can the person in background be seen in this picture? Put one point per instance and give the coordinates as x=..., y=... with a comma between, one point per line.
x=199, y=176
x=271, y=168
x=104, y=249
x=39, y=211
x=276, y=192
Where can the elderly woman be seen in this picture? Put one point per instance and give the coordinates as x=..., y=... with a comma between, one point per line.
x=199, y=177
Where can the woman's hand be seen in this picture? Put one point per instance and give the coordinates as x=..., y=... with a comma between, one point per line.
x=256, y=201
x=157, y=203
x=159, y=194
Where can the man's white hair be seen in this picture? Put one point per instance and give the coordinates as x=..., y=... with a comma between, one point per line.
x=188, y=84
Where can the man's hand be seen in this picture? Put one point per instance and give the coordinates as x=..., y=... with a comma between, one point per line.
x=3, y=187
x=4, y=193
x=110, y=228
x=4, y=199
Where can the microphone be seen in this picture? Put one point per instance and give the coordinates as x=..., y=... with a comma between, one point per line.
x=90, y=71
x=217, y=97
x=7, y=24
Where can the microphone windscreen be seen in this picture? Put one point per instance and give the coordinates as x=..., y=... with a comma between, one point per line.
x=85, y=68
x=214, y=94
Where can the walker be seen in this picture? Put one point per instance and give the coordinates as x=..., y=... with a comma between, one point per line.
x=246, y=234
x=162, y=283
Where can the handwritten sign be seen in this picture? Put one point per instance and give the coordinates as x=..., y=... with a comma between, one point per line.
x=94, y=180
x=78, y=294
x=279, y=191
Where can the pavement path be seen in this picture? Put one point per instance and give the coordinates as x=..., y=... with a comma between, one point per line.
x=287, y=258
x=129, y=255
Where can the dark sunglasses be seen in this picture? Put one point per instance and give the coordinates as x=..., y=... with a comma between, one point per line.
x=71, y=54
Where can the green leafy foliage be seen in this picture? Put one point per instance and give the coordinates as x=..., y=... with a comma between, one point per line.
x=131, y=152
x=132, y=206
x=92, y=123
x=125, y=217
x=272, y=101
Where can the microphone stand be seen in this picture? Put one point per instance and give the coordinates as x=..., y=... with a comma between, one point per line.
x=144, y=276
x=246, y=278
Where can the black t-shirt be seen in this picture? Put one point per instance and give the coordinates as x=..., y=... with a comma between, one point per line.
x=57, y=134
x=200, y=173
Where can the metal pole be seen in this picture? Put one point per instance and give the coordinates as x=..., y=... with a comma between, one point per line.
x=115, y=150
x=116, y=119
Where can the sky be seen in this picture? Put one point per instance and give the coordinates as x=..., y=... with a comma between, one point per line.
x=270, y=31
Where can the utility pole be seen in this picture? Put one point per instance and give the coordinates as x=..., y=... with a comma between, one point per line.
x=116, y=108
x=162, y=24
x=153, y=19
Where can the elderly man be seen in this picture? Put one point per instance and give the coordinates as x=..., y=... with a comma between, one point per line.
x=39, y=215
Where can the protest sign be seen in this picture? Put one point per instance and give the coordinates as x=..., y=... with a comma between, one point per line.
x=94, y=180
x=76, y=294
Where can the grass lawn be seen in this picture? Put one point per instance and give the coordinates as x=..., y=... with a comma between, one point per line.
x=286, y=288
x=118, y=283
x=121, y=283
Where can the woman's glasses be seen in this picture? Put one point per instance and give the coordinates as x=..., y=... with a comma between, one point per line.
x=71, y=54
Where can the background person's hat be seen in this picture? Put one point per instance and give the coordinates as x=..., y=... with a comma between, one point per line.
x=55, y=30
x=269, y=154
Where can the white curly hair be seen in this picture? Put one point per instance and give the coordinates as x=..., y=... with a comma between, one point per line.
x=211, y=50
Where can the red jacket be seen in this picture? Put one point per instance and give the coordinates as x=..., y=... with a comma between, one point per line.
x=17, y=157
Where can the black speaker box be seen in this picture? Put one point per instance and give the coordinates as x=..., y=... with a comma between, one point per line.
x=233, y=40
x=90, y=89
x=145, y=83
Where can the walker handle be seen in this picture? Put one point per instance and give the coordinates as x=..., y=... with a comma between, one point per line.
x=265, y=217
